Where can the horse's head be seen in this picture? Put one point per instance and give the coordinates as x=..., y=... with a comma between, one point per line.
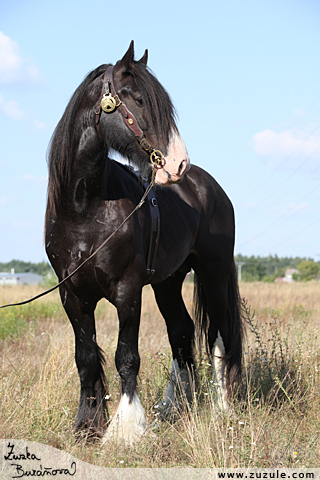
x=135, y=116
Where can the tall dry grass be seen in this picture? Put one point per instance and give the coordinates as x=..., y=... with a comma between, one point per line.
x=274, y=423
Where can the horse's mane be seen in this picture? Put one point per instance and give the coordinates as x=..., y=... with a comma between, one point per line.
x=61, y=150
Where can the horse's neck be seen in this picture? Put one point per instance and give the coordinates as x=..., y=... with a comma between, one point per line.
x=89, y=155
x=88, y=172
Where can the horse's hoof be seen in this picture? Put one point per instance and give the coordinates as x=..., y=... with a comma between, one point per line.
x=88, y=432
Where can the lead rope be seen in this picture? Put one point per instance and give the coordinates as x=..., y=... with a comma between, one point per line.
x=95, y=252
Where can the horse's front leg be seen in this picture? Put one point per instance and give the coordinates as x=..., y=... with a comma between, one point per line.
x=89, y=359
x=129, y=421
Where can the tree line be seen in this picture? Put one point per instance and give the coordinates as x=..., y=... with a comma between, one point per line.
x=253, y=269
x=269, y=268
x=41, y=268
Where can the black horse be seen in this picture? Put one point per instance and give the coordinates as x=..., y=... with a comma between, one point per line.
x=126, y=109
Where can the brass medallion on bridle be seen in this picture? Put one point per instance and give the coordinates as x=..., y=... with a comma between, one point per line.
x=108, y=103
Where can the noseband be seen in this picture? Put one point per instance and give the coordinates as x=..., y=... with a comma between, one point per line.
x=109, y=101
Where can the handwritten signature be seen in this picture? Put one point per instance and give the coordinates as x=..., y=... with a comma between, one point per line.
x=39, y=471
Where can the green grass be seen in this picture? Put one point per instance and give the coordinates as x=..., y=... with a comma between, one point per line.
x=14, y=321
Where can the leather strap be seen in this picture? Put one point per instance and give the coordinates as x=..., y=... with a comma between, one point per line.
x=130, y=121
x=156, y=157
x=106, y=84
x=155, y=232
x=155, y=222
x=128, y=117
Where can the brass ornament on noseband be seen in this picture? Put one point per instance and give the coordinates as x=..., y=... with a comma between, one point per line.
x=156, y=158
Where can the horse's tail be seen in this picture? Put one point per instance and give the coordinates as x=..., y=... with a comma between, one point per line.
x=235, y=327
x=102, y=377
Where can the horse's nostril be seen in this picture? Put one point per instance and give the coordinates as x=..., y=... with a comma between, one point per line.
x=180, y=167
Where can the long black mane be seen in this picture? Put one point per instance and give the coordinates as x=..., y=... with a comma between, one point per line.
x=61, y=151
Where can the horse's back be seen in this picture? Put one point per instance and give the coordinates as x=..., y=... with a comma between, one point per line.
x=219, y=213
x=197, y=221
x=203, y=193
x=216, y=232
x=208, y=191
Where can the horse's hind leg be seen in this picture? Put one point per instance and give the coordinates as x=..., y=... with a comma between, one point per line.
x=181, y=335
x=89, y=361
x=218, y=299
x=218, y=342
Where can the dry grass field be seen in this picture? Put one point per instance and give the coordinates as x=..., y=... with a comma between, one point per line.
x=275, y=422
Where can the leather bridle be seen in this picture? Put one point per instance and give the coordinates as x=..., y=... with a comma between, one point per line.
x=109, y=101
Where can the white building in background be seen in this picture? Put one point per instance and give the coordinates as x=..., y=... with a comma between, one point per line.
x=288, y=276
x=13, y=278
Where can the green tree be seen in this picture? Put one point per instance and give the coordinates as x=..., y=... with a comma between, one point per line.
x=42, y=268
x=308, y=270
x=267, y=268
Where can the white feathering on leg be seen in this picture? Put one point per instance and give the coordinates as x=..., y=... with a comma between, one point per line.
x=219, y=373
x=179, y=385
x=170, y=397
x=129, y=422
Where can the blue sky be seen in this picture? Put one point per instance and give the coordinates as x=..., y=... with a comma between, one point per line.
x=244, y=77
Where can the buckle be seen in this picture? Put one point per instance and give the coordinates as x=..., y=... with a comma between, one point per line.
x=145, y=145
x=117, y=100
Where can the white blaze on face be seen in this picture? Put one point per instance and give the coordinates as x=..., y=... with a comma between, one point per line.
x=176, y=162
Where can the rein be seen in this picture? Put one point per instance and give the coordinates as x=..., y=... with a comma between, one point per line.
x=109, y=101
x=146, y=193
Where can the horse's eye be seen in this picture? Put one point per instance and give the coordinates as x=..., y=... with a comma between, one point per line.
x=139, y=101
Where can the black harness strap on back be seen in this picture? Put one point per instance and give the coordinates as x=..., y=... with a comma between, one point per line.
x=155, y=231
x=155, y=221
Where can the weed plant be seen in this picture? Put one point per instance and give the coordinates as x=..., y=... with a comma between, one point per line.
x=273, y=423
x=14, y=321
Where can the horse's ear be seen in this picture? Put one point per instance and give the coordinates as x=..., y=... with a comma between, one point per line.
x=144, y=59
x=124, y=64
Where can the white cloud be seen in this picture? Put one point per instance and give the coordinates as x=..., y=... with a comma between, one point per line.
x=14, y=68
x=39, y=125
x=11, y=109
x=288, y=142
